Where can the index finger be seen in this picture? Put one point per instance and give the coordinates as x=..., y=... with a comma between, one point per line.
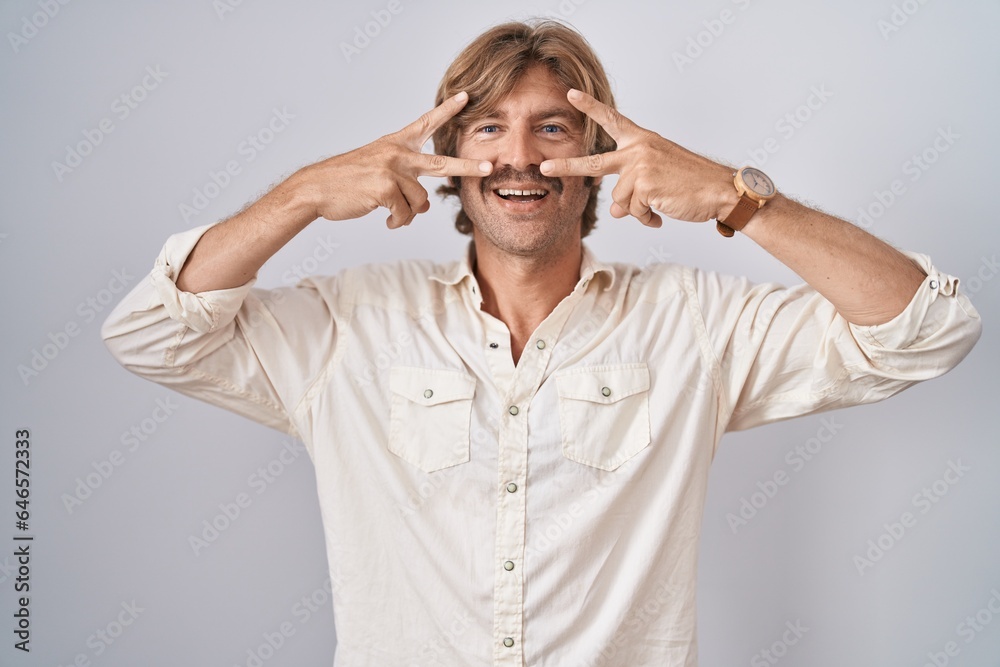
x=442, y=165
x=613, y=122
x=598, y=164
x=422, y=128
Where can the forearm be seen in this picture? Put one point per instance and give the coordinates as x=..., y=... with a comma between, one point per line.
x=232, y=252
x=868, y=281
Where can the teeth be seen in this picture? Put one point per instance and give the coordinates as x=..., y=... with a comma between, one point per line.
x=505, y=192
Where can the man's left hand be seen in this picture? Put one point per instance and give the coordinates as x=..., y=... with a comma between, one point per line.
x=655, y=174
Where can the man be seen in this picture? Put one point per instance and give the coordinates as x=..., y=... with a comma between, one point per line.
x=527, y=475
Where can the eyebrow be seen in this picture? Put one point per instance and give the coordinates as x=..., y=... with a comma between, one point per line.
x=551, y=112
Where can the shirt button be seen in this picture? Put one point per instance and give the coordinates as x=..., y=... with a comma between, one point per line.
x=508, y=641
x=428, y=393
x=540, y=345
x=933, y=284
x=493, y=346
x=606, y=391
x=509, y=565
x=512, y=488
x=513, y=410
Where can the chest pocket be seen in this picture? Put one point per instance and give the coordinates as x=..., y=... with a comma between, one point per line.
x=430, y=415
x=604, y=413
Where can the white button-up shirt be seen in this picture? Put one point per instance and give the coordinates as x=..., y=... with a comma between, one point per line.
x=544, y=514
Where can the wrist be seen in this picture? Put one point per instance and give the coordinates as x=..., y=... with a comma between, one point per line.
x=753, y=189
x=765, y=215
x=726, y=196
x=298, y=197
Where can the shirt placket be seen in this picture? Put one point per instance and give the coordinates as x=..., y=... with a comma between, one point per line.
x=512, y=469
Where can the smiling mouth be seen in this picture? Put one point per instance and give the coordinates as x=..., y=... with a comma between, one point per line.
x=522, y=196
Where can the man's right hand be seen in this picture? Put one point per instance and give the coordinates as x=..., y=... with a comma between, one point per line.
x=384, y=173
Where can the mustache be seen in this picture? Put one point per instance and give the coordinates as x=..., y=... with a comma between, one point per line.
x=509, y=174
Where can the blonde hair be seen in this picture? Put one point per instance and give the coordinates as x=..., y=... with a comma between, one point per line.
x=492, y=65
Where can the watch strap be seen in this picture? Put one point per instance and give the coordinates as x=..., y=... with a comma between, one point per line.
x=738, y=217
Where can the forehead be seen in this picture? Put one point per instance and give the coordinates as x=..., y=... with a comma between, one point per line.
x=538, y=91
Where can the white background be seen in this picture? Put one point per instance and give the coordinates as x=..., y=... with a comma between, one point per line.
x=62, y=237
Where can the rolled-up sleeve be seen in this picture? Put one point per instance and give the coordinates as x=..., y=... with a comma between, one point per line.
x=203, y=312
x=936, y=330
x=784, y=352
x=248, y=350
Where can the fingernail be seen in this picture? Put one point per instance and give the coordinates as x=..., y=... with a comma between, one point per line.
x=575, y=94
x=462, y=96
x=545, y=167
x=485, y=167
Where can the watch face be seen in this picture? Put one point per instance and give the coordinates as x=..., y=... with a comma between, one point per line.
x=758, y=181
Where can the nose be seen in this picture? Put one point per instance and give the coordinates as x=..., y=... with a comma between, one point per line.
x=520, y=150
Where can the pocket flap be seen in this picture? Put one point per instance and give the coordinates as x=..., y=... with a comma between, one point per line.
x=428, y=386
x=603, y=384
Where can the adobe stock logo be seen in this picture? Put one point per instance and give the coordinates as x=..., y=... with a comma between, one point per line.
x=103, y=638
x=779, y=649
x=248, y=149
x=223, y=7
x=967, y=630
x=231, y=511
x=102, y=470
x=899, y=17
x=924, y=500
x=324, y=250
x=363, y=35
x=703, y=40
x=31, y=25
x=565, y=9
x=42, y=356
x=915, y=167
x=796, y=459
x=122, y=107
x=790, y=123
x=988, y=269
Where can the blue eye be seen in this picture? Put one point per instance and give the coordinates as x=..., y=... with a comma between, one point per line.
x=488, y=129
x=551, y=129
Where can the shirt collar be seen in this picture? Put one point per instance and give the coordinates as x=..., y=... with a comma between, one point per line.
x=590, y=266
x=455, y=272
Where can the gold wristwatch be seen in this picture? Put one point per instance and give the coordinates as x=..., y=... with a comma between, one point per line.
x=755, y=190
